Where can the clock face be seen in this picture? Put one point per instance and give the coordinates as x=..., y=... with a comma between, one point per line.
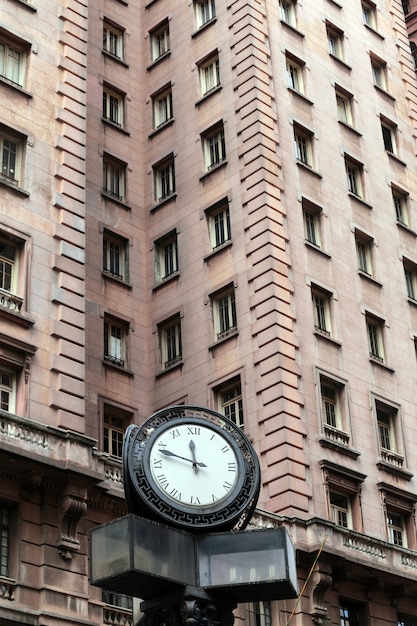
x=192, y=468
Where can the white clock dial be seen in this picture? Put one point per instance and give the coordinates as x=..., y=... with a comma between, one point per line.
x=194, y=465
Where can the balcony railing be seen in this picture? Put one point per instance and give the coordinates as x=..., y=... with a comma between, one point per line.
x=9, y=301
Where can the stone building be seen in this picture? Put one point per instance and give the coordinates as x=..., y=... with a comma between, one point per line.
x=210, y=202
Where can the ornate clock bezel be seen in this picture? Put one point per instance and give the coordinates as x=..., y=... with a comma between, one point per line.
x=144, y=499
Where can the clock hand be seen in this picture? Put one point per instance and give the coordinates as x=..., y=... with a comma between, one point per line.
x=192, y=448
x=169, y=453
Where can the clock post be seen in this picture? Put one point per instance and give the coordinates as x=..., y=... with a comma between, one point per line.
x=192, y=481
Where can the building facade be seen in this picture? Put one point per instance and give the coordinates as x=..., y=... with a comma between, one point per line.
x=210, y=202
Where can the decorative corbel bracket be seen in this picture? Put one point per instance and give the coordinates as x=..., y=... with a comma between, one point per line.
x=73, y=509
x=321, y=581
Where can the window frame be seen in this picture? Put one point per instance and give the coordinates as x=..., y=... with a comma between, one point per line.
x=164, y=96
x=220, y=232
x=229, y=401
x=287, y=11
x=321, y=300
x=170, y=347
x=335, y=422
x=369, y=14
x=209, y=74
x=354, y=177
x=160, y=45
x=21, y=47
x=224, y=312
x=304, y=145
x=410, y=274
x=400, y=200
x=335, y=41
x=114, y=178
x=214, y=147
x=364, y=253
x=110, y=94
x=205, y=12
x=115, y=352
x=375, y=334
x=111, y=46
x=121, y=418
x=389, y=131
x=295, y=69
x=312, y=223
x=164, y=179
x=5, y=543
x=345, y=113
x=166, y=259
x=7, y=389
x=12, y=175
x=379, y=72
x=121, y=256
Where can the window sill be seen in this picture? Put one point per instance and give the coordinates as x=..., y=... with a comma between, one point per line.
x=118, y=368
x=16, y=317
x=317, y=249
x=108, y=196
x=399, y=472
x=13, y=187
x=16, y=88
x=375, y=32
x=176, y=366
x=292, y=28
x=114, y=125
x=161, y=127
x=406, y=228
x=340, y=61
x=215, y=168
x=26, y=5
x=208, y=94
x=381, y=364
x=165, y=201
x=158, y=60
x=115, y=279
x=352, y=129
x=369, y=277
x=224, y=246
x=204, y=26
x=383, y=92
x=309, y=169
x=323, y=335
x=359, y=199
x=174, y=277
x=412, y=301
x=113, y=57
x=394, y=157
x=300, y=95
x=220, y=342
x=325, y=442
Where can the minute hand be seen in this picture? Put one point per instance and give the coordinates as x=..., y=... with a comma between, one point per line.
x=169, y=453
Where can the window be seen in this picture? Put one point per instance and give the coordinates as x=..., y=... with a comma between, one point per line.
x=321, y=310
x=406, y=6
x=162, y=107
x=164, y=179
x=166, y=257
x=295, y=73
x=335, y=41
x=159, y=41
x=398, y=507
x=114, y=178
x=344, y=106
x=312, y=223
x=113, y=40
x=364, y=245
x=259, y=614
x=354, y=176
x=214, y=147
x=389, y=132
x=400, y=201
x=350, y=614
x=229, y=401
x=224, y=313
x=4, y=539
x=115, y=341
x=170, y=342
x=11, y=150
x=115, y=422
x=385, y=418
x=10, y=253
x=375, y=327
x=303, y=144
x=396, y=529
x=205, y=10
x=369, y=14
x=115, y=255
x=219, y=223
x=209, y=72
x=113, y=106
x=13, y=60
x=333, y=410
x=410, y=273
x=117, y=599
x=7, y=389
x=287, y=12
x=379, y=72
x=343, y=488
x=340, y=509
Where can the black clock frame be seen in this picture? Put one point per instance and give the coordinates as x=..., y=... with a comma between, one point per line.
x=142, y=498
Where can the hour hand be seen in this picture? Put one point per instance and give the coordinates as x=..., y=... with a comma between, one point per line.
x=169, y=453
x=191, y=445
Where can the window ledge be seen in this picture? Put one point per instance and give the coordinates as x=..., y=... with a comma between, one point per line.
x=375, y=32
x=208, y=94
x=113, y=57
x=215, y=251
x=384, y=92
x=162, y=203
x=394, y=469
x=292, y=28
x=169, y=279
x=340, y=61
x=394, y=157
x=406, y=228
x=177, y=366
x=323, y=335
x=232, y=335
x=412, y=301
x=369, y=277
x=359, y=199
x=115, y=126
x=204, y=26
x=325, y=442
x=108, y=196
x=300, y=95
x=215, y=168
x=118, y=368
x=161, y=127
x=7, y=183
x=351, y=128
x=14, y=86
x=158, y=60
x=27, y=5
x=317, y=249
x=17, y=317
x=308, y=168
x=115, y=279
x=376, y=361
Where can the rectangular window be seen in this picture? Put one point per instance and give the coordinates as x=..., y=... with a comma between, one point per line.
x=410, y=274
x=321, y=310
x=115, y=255
x=113, y=106
x=354, y=174
x=334, y=410
x=389, y=132
x=113, y=40
x=350, y=615
x=7, y=389
x=166, y=257
x=312, y=222
x=375, y=327
x=164, y=179
x=335, y=41
x=364, y=252
x=209, y=72
x=287, y=12
x=115, y=341
x=11, y=152
x=170, y=342
x=379, y=72
x=219, y=223
x=114, y=178
x=295, y=72
x=344, y=106
x=303, y=144
x=224, y=313
x=400, y=201
x=214, y=147
x=230, y=404
x=369, y=14
x=113, y=432
x=162, y=107
x=259, y=614
x=13, y=60
x=396, y=529
x=4, y=540
x=159, y=37
x=340, y=509
x=119, y=600
x=205, y=10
